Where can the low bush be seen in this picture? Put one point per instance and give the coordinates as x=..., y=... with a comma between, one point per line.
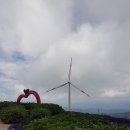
x=39, y=112
x=54, y=109
x=74, y=121
x=6, y=104
x=13, y=114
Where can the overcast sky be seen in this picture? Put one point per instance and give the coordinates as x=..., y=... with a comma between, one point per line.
x=38, y=38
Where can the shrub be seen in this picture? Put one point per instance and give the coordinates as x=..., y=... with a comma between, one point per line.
x=6, y=104
x=73, y=121
x=13, y=114
x=53, y=108
x=29, y=106
x=39, y=112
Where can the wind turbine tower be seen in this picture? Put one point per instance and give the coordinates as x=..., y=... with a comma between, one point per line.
x=69, y=87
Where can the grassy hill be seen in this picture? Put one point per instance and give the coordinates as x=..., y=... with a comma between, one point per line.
x=31, y=116
x=78, y=121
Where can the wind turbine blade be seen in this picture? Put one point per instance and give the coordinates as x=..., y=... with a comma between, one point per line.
x=70, y=69
x=56, y=87
x=80, y=89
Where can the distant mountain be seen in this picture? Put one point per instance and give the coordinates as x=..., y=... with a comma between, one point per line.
x=111, y=112
x=121, y=115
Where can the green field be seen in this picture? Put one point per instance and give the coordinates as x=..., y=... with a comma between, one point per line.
x=31, y=116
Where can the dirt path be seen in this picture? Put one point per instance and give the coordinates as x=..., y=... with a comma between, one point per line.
x=3, y=126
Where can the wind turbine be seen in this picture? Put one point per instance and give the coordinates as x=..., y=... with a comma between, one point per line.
x=69, y=87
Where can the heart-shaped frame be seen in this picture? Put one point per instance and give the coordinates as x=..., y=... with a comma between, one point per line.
x=26, y=95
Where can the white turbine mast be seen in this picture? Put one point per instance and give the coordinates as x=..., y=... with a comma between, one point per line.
x=69, y=87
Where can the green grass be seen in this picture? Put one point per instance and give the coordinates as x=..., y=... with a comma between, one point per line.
x=74, y=121
x=53, y=117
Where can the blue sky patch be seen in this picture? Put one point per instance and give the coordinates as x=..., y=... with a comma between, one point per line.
x=17, y=56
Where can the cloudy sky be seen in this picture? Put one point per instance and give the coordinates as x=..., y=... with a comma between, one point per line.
x=38, y=37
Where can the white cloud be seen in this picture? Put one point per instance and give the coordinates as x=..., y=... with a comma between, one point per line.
x=113, y=93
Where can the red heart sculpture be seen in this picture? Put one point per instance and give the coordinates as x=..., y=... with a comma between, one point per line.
x=36, y=95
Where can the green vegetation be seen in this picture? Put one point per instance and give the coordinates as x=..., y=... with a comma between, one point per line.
x=13, y=114
x=26, y=112
x=74, y=121
x=6, y=104
x=52, y=117
x=39, y=112
x=54, y=109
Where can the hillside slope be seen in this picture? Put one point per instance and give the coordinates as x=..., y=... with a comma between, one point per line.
x=30, y=116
